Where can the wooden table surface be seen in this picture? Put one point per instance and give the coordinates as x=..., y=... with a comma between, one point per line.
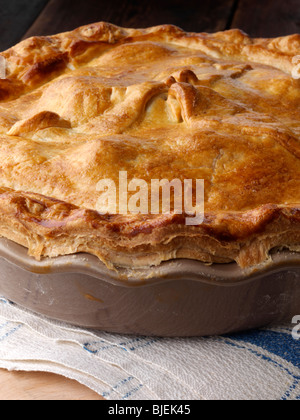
x=20, y=19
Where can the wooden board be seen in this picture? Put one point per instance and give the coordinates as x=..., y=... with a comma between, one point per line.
x=41, y=386
x=191, y=15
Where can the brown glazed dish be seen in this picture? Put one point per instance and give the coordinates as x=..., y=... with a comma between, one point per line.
x=157, y=104
x=179, y=298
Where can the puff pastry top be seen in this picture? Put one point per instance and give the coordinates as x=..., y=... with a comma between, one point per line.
x=158, y=103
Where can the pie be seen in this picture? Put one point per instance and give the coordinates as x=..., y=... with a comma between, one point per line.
x=156, y=103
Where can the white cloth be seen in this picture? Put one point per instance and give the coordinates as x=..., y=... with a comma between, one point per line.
x=262, y=364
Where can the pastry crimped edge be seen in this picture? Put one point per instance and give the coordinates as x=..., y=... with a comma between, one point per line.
x=49, y=227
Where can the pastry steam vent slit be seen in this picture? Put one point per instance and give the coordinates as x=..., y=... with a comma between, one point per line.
x=157, y=104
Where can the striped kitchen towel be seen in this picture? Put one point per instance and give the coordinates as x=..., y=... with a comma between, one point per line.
x=254, y=365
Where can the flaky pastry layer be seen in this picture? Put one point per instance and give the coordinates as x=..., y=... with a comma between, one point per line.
x=158, y=103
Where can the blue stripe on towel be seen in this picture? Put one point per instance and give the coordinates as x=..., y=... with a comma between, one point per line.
x=288, y=392
x=278, y=343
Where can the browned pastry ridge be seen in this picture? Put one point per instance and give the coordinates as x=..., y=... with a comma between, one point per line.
x=158, y=103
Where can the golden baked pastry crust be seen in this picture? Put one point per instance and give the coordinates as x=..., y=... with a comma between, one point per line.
x=158, y=103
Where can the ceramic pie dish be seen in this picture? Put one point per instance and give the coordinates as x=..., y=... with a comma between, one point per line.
x=157, y=107
x=179, y=298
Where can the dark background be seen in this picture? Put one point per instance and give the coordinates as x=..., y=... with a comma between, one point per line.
x=20, y=19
